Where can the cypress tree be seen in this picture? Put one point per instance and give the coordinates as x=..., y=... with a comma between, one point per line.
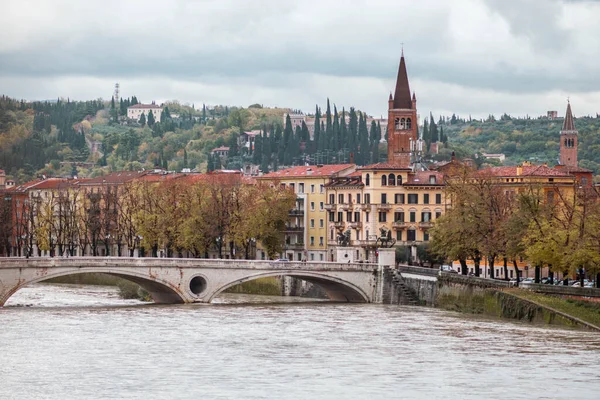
x=203, y=113
x=426, y=138
x=217, y=162
x=185, y=158
x=353, y=132
x=258, y=149
x=266, y=151
x=234, y=149
x=433, y=132
x=373, y=132
x=317, y=136
x=305, y=135
x=343, y=135
x=328, y=128
x=211, y=163
x=151, y=120
x=335, y=131
x=363, y=134
x=143, y=120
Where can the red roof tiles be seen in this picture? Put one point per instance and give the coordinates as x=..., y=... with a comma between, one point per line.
x=310, y=170
x=526, y=170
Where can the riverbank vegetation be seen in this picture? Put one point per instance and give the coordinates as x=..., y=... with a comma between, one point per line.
x=518, y=304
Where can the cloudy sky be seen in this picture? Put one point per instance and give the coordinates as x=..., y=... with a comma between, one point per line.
x=464, y=56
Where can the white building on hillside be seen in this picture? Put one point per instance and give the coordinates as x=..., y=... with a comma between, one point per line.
x=135, y=112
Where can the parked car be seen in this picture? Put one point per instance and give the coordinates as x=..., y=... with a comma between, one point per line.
x=448, y=268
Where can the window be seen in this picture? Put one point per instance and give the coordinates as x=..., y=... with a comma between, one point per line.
x=312, y=257
x=331, y=234
x=357, y=216
x=413, y=198
x=332, y=198
x=438, y=214
x=357, y=235
x=293, y=187
x=321, y=223
x=392, y=180
x=340, y=216
x=358, y=198
x=301, y=188
x=349, y=198
x=367, y=198
x=331, y=216
x=322, y=188
x=432, y=179
x=312, y=240
x=399, y=180
x=383, y=198
x=383, y=180
x=349, y=216
x=426, y=198
x=312, y=205
x=321, y=241
x=397, y=123
x=413, y=216
x=411, y=235
x=312, y=188
x=399, y=198
x=320, y=257
x=399, y=236
x=321, y=206
x=425, y=236
x=312, y=223
x=367, y=180
x=408, y=123
x=399, y=216
x=341, y=198
x=425, y=216
x=382, y=216
x=438, y=198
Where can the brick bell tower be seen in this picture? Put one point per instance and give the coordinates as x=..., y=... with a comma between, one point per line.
x=402, y=120
x=568, y=140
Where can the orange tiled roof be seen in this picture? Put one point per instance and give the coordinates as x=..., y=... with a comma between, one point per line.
x=384, y=165
x=527, y=170
x=422, y=178
x=145, y=106
x=115, y=178
x=308, y=170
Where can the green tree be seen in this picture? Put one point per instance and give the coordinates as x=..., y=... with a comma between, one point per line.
x=143, y=120
x=151, y=120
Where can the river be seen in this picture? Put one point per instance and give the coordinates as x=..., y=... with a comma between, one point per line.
x=84, y=342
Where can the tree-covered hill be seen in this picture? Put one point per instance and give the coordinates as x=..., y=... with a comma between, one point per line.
x=523, y=139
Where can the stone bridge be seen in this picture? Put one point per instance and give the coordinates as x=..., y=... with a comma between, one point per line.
x=179, y=280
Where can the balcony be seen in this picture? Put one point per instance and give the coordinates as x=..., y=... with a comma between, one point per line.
x=294, y=246
x=355, y=225
x=384, y=206
x=347, y=207
x=338, y=224
x=330, y=207
x=425, y=224
x=399, y=225
x=290, y=228
x=296, y=212
x=365, y=207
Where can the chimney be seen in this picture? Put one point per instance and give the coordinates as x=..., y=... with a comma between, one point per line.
x=453, y=156
x=519, y=170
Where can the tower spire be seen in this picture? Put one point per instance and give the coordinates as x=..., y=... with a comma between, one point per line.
x=568, y=124
x=402, y=98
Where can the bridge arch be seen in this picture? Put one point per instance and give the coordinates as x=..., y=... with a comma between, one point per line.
x=336, y=289
x=162, y=292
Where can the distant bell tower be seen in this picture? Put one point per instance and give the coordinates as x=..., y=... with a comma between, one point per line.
x=402, y=120
x=568, y=140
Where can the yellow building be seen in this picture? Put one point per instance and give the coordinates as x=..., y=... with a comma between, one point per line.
x=383, y=198
x=306, y=232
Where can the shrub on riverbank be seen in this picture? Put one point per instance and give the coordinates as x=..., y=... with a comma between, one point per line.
x=263, y=286
x=130, y=290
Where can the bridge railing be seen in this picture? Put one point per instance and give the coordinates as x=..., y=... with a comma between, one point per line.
x=181, y=262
